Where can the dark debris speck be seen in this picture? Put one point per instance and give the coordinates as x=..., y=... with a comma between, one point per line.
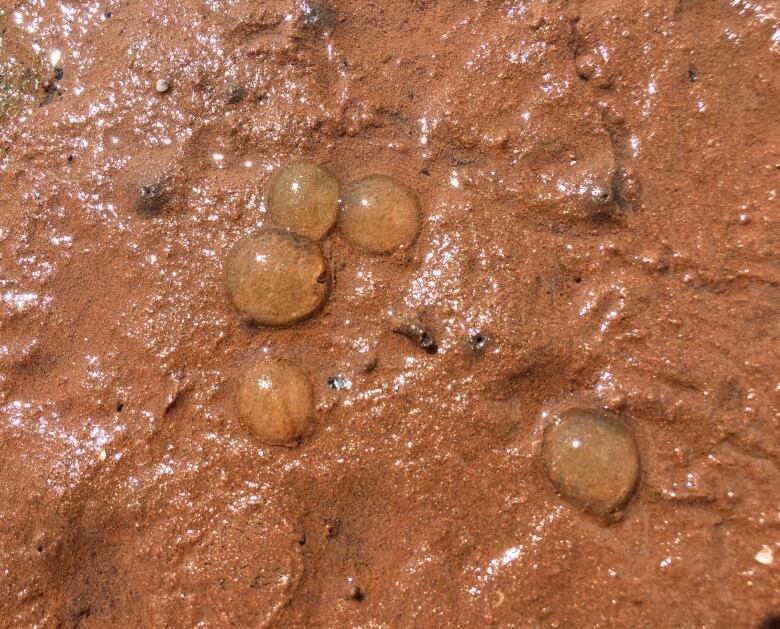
x=235, y=95
x=332, y=528
x=418, y=334
x=152, y=195
x=478, y=341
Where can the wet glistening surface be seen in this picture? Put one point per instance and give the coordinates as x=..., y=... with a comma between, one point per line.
x=503, y=354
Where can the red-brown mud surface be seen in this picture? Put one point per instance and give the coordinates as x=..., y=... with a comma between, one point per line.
x=597, y=182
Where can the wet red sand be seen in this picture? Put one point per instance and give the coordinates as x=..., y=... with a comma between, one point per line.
x=598, y=186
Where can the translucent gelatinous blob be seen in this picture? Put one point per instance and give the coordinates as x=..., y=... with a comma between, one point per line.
x=305, y=199
x=274, y=398
x=276, y=278
x=591, y=458
x=379, y=214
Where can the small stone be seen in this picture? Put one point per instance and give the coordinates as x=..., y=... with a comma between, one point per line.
x=765, y=556
x=339, y=383
x=275, y=399
x=379, y=214
x=592, y=459
x=276, y=278
x=305, y=199
x=162, y=86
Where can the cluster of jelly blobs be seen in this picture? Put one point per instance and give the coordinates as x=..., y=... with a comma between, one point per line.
x=279, y=276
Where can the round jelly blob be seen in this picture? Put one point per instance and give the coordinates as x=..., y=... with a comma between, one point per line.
x=276, y=278
x=305, y=199
x=591, y=458
x=274, y=398
x=379, y=214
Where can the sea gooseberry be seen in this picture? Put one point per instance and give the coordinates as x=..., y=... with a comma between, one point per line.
x=379, y=214
x=274, y=398
x=276, y=278
x=305, y=199
x=591, y=458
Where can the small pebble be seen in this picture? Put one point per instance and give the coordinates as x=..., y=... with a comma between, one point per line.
x=276, y=278
x=162, y=86
x=379, y=214
x=765, y=555
x=305, y=199
x=339, y=383
x=592, y=459
x=275, y=399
